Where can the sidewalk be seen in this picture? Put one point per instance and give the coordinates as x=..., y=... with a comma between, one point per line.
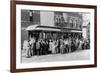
x=77, y=55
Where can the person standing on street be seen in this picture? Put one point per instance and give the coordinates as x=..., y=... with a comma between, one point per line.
x=38, y=47
x=26, y=46
x=32, y=46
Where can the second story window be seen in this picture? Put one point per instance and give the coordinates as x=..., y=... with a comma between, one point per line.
x=31, y=15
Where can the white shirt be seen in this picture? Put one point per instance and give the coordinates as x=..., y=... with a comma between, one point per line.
x=26, y=44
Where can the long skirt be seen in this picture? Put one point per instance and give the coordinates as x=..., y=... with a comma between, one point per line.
x=28, y=52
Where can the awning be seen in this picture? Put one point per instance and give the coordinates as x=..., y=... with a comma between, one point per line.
x=45, y=28
x=36, y=27
x=76, y=31
x=32, y=27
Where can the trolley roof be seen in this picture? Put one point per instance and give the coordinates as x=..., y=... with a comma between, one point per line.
x=51, y=28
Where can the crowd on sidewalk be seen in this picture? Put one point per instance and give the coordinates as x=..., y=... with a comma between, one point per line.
x=39, y=47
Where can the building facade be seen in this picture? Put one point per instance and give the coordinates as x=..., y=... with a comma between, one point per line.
x=50, y=24
x=86, y=26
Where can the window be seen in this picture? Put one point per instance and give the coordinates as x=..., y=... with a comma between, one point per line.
x=31, y=15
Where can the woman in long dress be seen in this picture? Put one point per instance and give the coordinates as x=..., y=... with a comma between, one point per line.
x=54, y=47
x=26, y=47
x=80, y=45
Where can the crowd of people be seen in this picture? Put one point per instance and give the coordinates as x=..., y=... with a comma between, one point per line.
x=59, y=46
